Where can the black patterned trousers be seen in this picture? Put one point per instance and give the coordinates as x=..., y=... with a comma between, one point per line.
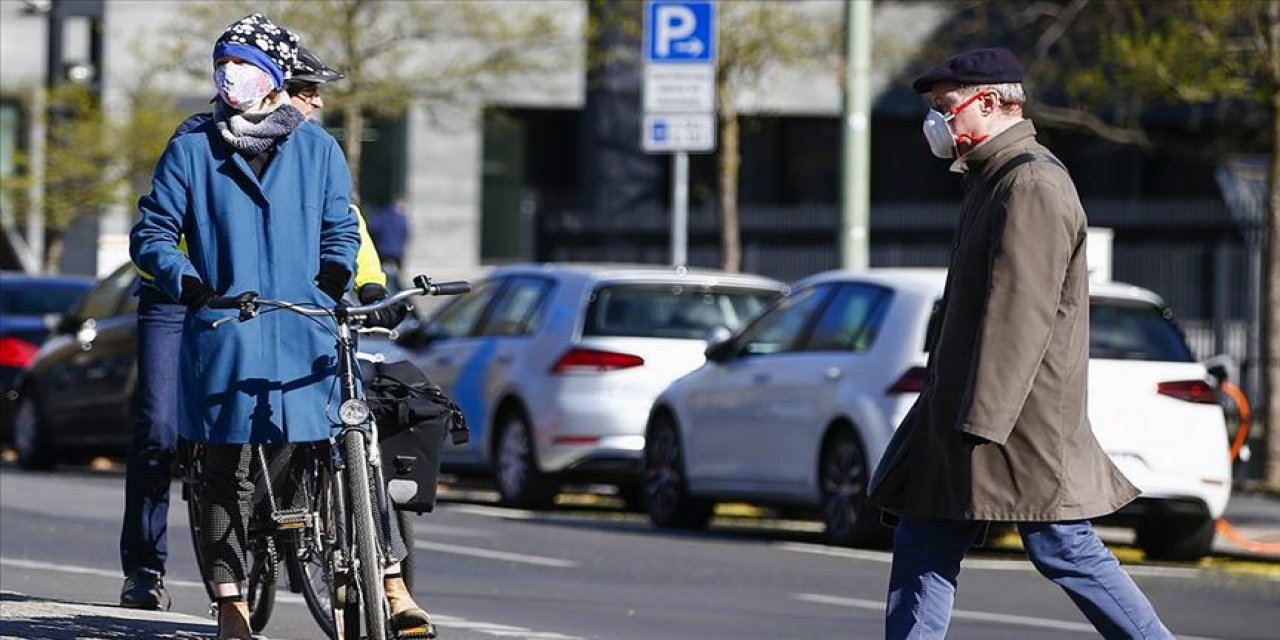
x=235, y=500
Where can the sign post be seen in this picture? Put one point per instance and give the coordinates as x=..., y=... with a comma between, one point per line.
x=679, y=96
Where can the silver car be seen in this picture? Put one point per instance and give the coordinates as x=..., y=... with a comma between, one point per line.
x=557, y=365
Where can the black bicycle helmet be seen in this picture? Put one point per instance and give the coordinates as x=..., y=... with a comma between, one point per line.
x=310, y=69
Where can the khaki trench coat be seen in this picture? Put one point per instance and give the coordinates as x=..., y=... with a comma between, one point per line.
x=1003, y=434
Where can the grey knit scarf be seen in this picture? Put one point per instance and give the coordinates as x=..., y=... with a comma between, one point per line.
x=253, y=133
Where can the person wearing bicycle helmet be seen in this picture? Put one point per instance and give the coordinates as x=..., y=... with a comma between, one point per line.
x=261, y=197
x=370, y=285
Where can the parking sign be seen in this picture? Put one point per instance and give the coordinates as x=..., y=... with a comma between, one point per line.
x=680, y=31
x=679, y=75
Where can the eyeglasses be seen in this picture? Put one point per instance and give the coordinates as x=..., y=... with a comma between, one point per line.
x=950, y=114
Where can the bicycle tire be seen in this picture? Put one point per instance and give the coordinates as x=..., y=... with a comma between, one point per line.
x=313, y=563
x=188, y=452
x=366, y=539
x=261, y=590
x=194, y=516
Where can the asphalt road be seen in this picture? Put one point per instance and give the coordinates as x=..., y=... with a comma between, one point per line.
x=588, y=572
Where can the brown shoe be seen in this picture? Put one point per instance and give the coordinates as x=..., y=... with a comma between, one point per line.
x=233, y=620
x=407, y=618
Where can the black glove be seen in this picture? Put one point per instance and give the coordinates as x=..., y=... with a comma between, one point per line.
x=195, y=293
x=387, y=318
x=333, y=279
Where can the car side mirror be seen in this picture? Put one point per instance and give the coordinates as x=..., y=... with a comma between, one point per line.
x=719, y=345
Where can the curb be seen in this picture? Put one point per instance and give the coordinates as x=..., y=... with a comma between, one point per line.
x=23, y=616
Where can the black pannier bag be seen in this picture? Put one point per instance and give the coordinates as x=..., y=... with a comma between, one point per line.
x=414, y=417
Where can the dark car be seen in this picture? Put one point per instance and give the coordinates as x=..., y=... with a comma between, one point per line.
x=29, y=307
x=77, y=393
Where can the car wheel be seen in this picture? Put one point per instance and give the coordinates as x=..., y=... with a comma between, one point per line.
x=1179, y=539
x=844, y=473
x=34, y=450
x=520, y=482
x=667, y=492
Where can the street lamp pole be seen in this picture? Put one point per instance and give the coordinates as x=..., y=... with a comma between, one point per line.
x=855, y=181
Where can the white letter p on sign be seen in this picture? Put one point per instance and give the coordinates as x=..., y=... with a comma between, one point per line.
x=675, y=22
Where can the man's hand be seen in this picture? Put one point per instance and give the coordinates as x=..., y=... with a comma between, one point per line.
x=387, y=318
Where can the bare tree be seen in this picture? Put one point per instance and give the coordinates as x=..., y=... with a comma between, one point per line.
x=392, y=52
x=756, y=37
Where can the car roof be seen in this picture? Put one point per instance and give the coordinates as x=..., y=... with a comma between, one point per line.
x=931, y=281
x=19, y=278
x=612, y=272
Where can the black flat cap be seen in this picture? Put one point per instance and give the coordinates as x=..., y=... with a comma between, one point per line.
x=978, y=66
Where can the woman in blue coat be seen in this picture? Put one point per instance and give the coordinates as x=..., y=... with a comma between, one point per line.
x=261, y=197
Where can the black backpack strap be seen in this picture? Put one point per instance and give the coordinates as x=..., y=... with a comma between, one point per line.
x=1018, y=161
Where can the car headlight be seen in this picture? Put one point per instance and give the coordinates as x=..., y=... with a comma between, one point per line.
x=353, y=412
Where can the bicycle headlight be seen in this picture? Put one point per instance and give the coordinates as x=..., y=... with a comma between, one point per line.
x=353, y=412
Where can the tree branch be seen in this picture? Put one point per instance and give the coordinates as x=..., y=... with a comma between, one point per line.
x=1089, y=122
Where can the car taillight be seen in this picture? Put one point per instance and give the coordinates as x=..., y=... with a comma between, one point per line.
x=1197, y=391
x=911, y=382
x=587, y=360
x=15, y=352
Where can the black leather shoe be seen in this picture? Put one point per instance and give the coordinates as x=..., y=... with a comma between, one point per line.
x=144, y=590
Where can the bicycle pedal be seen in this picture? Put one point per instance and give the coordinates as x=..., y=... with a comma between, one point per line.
x=428, y=631
x=291, y=519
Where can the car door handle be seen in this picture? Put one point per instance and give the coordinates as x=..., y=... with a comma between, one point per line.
x=834, y=373
x=95, y=373
x=505, y=359
x=443, y=362
x=761, y=378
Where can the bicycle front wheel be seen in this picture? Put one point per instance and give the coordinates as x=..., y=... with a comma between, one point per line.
x=368, y=552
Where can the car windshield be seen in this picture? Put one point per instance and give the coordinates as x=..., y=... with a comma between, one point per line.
x=670, y=310
x=37, y=299
x=1134, y=330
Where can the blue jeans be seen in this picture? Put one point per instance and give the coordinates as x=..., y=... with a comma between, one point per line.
x=155, y=431
x=926, y=565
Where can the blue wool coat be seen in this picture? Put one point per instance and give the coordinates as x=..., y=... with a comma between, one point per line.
x=271, y=379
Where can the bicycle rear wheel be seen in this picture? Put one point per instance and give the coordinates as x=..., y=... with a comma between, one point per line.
x=368, y=552
x=262, y=590
x=189, y=454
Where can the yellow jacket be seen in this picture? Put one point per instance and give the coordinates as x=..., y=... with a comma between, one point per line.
x=368, y=264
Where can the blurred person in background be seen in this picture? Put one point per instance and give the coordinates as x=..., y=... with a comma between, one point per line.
x=1000, y=432
x=390, y=232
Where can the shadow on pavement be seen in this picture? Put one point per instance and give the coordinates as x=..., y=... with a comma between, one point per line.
x=49, y=619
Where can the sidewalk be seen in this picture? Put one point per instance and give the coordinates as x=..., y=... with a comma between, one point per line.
x=24, y=617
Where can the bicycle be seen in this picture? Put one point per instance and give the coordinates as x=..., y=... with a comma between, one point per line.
x=333, y=547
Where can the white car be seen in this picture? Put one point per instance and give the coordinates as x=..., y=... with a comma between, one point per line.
x=556, y=366
x=797, y=408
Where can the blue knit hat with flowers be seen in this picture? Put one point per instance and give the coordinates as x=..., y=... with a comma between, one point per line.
x=257, y=40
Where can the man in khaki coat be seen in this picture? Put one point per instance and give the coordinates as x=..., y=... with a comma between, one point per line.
x=1001, y=433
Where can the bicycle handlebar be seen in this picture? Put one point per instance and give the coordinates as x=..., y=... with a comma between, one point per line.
x=249, y=301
